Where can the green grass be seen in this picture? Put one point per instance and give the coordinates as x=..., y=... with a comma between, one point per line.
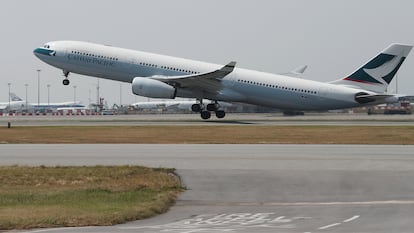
x=33, y=197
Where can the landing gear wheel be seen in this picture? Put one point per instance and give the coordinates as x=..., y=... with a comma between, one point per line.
x=220, y=114
x=211, y=107
x=205, y=115
x=65, y=82
x=196, y=108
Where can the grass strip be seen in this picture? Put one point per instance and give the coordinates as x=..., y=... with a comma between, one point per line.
x=35, y=197
x=247, y=134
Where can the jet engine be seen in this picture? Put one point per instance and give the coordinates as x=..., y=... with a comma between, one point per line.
x=152, y=88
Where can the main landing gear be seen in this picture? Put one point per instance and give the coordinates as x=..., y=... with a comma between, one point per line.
x=205, y=111
x=66, y=80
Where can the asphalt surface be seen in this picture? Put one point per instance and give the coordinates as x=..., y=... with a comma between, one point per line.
x=259, y=188
x=194, y=119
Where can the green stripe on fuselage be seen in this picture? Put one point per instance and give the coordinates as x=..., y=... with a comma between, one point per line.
x=43, y=51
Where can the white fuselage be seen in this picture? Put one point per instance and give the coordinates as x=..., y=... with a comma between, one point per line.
x=241, y=85
x=13, y=106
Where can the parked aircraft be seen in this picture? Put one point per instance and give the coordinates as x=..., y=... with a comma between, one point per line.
x=18, y=104
x=15, y=104
x=158, y=76
x=57, y=106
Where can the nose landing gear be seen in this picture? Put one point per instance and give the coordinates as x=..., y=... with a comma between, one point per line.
x=66, y=80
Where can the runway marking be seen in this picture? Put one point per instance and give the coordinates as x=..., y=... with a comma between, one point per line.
x=226, y=223
x=338, y=223
x=329, y=226
x=351, y=219
x=388, y=202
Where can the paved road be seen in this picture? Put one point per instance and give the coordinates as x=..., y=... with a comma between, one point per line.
x=259, y=188
x=194, y=119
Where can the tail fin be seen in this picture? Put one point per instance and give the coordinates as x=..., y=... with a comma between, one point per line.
x=378, y=73
x=14, y=97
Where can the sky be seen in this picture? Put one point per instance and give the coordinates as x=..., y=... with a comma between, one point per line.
x=332, y=37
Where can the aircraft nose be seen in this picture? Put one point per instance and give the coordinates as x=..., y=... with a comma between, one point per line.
x=36, y=52
x=43, y=51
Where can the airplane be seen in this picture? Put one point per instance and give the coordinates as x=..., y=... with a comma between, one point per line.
x=160, y=76
x=16, y=103
x=56, y=106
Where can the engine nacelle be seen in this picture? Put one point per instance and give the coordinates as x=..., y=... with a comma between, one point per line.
x=152, y=88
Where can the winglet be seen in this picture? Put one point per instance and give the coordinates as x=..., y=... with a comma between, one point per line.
x=299, y=70
x=229, y=67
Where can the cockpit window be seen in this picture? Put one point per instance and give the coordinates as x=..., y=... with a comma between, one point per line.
x=47, y=46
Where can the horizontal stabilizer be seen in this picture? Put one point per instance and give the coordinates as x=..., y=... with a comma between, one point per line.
x=368, y=98
x=405, y=98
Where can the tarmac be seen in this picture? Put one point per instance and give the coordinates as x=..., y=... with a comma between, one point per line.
x=194, y=119
x=258, y=188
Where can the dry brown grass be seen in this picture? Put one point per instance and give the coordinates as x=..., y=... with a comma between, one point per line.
x=33, y=197
x=211, y=134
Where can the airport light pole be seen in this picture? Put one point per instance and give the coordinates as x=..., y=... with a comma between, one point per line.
x=38, y=88
x=74, y=94
x=26, y=85
x=120, y=94
x=9, y=84
x=48, y=95
x=89, y=97
x=396, y=83
x=98, y=102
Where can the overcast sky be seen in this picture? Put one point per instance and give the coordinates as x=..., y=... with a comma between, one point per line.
x=332, y=37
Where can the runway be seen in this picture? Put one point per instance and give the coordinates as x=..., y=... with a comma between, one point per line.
x=259, y=188
x=194, y=119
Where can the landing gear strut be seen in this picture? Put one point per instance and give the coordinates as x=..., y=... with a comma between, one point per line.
x=205, y=110
x=66, y=80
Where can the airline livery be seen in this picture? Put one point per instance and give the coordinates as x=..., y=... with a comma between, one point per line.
x=18, y=104
x=15, y=104
x=159, y=76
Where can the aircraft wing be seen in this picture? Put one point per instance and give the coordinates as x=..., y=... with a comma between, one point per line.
x=405, y=97
x=388, y=98
x=206, y=82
